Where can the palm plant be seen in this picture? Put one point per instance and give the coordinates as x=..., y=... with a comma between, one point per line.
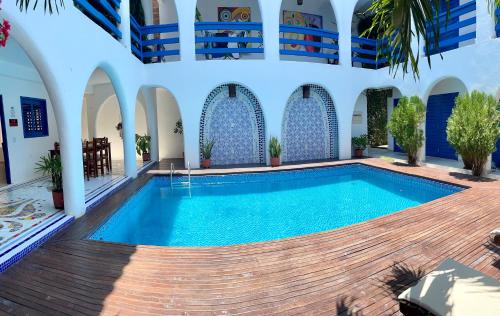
x=274, y=148
x=399, y=21
x=207, y=149
x=51, y=166
x=49, y=5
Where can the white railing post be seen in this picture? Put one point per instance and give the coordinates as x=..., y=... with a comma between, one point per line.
x=124, y=26
x=485, y=22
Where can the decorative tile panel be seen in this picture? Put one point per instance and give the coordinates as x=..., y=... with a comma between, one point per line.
x=310, y=128
x=236, y=125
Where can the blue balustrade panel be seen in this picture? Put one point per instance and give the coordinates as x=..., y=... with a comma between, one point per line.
x=228, y=40
x=309, y=42
x=366, y=51
x=104, y=13
x=150, y=43
x=457, y=27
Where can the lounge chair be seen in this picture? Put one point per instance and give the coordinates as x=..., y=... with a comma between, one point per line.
x=452, y=289
x=495, y=237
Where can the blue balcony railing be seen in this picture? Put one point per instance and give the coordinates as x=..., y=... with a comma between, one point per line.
x=497, y=22
x=309, y=42
x=103, y=13
x=228, y=40
x=151, y=43
x=458, y=27
x=365, y=52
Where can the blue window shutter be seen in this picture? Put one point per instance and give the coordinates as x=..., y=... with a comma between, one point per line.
x=34, y=116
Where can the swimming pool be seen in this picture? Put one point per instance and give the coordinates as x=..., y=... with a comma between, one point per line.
x=244, y=208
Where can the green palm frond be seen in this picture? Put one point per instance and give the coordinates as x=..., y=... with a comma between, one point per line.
x=400, y=21
x=49, y=5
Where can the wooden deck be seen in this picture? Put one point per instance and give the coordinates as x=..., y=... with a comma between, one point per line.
x=356, y=270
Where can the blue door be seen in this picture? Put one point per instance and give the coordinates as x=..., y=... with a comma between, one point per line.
x=5, y=147
x=397, y=149
x=439, y=108
x=496, y=155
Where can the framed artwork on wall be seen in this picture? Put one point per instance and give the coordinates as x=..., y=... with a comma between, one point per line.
x=297, y=18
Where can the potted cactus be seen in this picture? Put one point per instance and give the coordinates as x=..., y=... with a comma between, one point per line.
x=51, y=166
x=359, y=143
x=207, y=154
x=274, y=151
x=143, y=146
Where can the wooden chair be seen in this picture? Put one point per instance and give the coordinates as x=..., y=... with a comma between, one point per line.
x=89, y=160
x=102, y=154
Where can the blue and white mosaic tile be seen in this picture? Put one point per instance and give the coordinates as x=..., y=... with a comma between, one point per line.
x=310, y=128
x=236, y=125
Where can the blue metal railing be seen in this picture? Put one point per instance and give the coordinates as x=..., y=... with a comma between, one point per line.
x=497, y=21
x=228, y=39
x=104, y=13
x=309, y=42
x=366, y=51
x=151, y=43
x=453, y=28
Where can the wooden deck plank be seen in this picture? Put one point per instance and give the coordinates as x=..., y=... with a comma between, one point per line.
x=345, y=270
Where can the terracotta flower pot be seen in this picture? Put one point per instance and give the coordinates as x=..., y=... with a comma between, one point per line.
x=358, y=153
x=206, y=163
x=275, y=161
x=146, y=156
x=58, y=198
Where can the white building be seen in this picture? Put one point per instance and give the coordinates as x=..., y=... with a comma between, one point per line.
x=90, y=81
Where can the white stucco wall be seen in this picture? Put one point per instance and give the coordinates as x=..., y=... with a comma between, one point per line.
x=171, y=145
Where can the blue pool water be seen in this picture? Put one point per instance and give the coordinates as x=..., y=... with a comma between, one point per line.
x=236, y=209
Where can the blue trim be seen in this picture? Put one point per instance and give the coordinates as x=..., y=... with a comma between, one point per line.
x=5, y=144
x=89, y=10
x=439, y=108
x=322, y=49
x=228, y=26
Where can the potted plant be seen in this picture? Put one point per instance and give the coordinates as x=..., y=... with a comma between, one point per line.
x=359, y=143
x=275, y=151
x=143, y=146
x=207, y=154
x=51, y=165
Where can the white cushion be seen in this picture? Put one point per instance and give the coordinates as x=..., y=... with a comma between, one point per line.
x=455, y=290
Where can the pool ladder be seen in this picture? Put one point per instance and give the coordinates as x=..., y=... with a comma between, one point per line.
x=182, y=184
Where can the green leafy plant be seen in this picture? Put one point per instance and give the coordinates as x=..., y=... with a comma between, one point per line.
x=360, y=142
x=274, y=147
x=49, y=5
x=377, y=116
x=142, y=144
x=178, y=128
x=51, y=166
x=404, y=125
x=473, y=128
x=401, y=21
x=207, y=149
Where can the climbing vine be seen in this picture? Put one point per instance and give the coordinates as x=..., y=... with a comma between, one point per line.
x=4, y=30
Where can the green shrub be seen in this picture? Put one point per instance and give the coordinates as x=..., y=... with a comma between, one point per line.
x=274, y=148
x=404, y=125
x=360, y=142
x=473, y=128
x=207, y=149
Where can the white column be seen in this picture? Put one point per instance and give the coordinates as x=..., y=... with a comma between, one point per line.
x=485, y=22
x=71, y=150
x=124, y=26
x=186, y=12
x=147, y=5
x=128, y=120
x=270, y=12
x=152, y=120
x=344, y=118
x=191, y=130
x=343, y=15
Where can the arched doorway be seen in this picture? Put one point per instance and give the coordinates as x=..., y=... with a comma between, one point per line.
x=440, y=104
x=102, y=136
x=310, y=127
x=232, y=117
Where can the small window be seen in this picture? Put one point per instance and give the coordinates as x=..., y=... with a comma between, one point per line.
x=34, y=115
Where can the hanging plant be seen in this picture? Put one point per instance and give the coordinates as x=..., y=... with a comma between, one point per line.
x=4, y=31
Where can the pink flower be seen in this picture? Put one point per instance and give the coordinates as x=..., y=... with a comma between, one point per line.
x=4, y=32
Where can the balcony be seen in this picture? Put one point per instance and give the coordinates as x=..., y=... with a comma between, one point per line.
x=457, y=29
x=229, y=40
x=154, y=43
x=104, y=13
